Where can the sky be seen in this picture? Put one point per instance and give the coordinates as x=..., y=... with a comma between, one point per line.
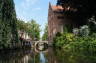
x=33, y=9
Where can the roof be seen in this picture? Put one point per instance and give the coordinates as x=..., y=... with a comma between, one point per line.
x=60, y=8
x=57, y=8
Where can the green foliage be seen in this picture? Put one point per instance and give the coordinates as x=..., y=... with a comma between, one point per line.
x=8, y=28
x=32, y=28
x=76, y=44
x=83, y=45
x=79, y=42
x=67, y=28
x=21, y=25
x=62, y=39
x=45, y=35
x=69, y=57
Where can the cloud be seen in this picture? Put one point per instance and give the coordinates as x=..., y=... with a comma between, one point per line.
x=28, y=3
x=23, y=8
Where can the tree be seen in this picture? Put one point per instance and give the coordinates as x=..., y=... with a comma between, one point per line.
x=33, y=30
x=8, y=21
x=45, y=35
x=21, y=25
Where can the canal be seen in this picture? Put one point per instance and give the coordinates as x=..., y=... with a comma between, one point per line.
x=47, y=56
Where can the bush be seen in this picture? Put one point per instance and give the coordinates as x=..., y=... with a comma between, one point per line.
x=79, y=44
x=63, y=39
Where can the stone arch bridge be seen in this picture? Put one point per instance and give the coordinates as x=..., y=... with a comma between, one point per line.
x=34, y=43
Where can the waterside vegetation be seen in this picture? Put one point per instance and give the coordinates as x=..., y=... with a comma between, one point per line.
x=81, y=41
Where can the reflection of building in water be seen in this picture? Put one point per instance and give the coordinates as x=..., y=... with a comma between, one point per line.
x=25, y=59
x=29, y=56
x=16, y=57
x=51, y=56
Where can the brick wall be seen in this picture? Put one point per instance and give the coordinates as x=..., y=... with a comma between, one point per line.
x=58, y=18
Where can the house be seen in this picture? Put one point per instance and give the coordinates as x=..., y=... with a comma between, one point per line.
x=59, y=17
x=23, y=35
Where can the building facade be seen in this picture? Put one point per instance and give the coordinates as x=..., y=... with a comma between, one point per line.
x=24, y=35
x=60, y=16
x=54, y=24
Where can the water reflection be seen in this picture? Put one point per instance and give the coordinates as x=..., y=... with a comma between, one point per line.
x=15, y=56
x=48, y=56
x=42, y=58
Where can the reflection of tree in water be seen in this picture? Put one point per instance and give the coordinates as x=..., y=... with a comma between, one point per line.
x=51, y=56
x=15, y=56
x=19, y=56
x=69, y=57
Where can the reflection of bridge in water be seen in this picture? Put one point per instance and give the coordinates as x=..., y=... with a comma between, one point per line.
x=40, y=45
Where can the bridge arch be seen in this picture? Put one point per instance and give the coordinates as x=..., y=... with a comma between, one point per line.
x=40, y=45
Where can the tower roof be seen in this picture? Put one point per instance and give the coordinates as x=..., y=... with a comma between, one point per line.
x=57, y=8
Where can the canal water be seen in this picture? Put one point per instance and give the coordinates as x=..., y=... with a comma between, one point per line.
x=47, y=56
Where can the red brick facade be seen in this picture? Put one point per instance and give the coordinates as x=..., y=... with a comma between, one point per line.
x=57, y=18
x=54, y=24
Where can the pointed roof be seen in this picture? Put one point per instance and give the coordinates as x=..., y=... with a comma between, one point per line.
x=50, y=5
